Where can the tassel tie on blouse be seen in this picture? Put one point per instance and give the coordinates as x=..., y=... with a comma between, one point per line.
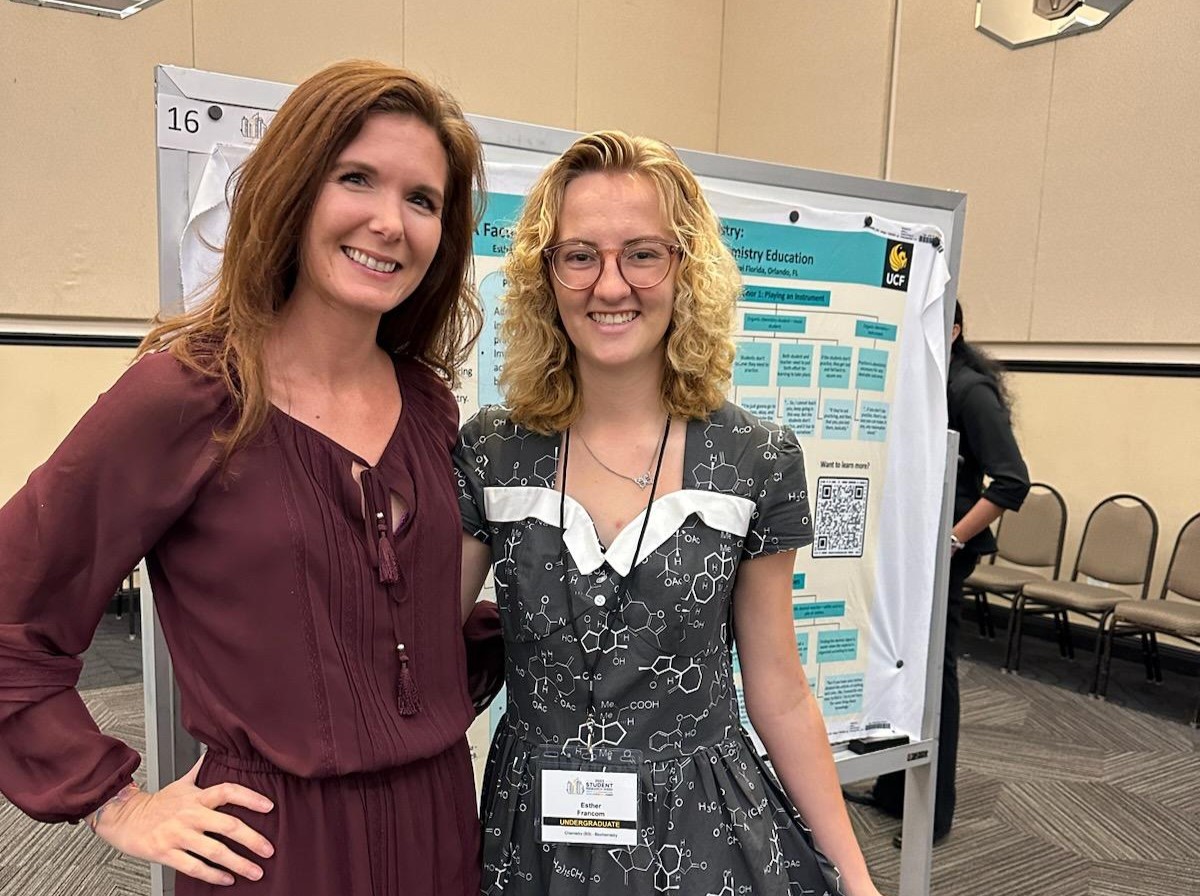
x=408, y=699
x=389, y=569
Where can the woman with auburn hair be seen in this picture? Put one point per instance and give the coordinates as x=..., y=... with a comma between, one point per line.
x=281, y=456
x=635, y=522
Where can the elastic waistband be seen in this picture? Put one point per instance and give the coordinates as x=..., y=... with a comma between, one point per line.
x=453, y=754
x=244, y=763
x=726, y=746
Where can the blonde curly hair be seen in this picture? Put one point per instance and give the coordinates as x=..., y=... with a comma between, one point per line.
x=539, y=376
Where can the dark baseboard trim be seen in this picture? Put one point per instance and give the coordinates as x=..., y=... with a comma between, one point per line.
x=1106, y=368
x=70, y=340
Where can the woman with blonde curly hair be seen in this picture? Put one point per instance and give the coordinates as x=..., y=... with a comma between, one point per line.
x=281, y=456
x=634, y=521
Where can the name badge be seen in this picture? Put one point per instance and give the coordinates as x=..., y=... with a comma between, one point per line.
x=587, y=797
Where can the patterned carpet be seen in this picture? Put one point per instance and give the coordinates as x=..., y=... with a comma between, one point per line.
x=1059, y=795
x=66, y=860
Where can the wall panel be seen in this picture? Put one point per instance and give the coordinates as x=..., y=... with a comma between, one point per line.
x=1121, y=190
x=971, y=115
x=481, y=52
x=1092, y=436
x=281, y=40
x=77, y=218
x=651, y=67
x=807, y=83
x=47, y=390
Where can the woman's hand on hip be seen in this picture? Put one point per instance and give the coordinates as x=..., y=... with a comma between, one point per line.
x=175, y=827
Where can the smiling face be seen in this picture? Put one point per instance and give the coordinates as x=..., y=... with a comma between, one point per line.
x=611, y=324
x=376, y=223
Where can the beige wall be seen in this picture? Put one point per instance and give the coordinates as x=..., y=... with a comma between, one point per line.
x=971, y=115
x=807, y=83
x=1092, y=436
x=77, y=186
x=43, y=391
x=1076, y=156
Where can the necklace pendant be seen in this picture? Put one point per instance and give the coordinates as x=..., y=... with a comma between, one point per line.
x=643, y=480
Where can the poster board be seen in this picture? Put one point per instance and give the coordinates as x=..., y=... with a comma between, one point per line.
x=841, y=333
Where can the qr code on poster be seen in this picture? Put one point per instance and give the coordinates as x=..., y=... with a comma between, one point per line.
x=840, y=517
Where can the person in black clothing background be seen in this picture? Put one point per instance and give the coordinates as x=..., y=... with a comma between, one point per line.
x=979, y=410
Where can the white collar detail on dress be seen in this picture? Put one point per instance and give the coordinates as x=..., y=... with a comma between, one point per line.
x=511, y=504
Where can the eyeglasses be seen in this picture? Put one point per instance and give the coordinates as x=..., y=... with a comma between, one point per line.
x=643, y=264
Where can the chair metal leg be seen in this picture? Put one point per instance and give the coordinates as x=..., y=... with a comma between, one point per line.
x=1060, y=630
x=1147, y=663
x=1155, y=660
x=1012, y=656
x=1104, y=620
x=1067, y=639
x=1106, y=658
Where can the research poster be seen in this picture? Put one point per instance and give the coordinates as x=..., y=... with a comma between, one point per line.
x=839, y=334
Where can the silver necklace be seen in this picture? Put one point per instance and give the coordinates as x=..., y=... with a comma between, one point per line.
x=642, y=481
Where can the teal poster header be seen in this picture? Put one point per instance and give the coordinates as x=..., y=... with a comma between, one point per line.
x=493, y=235
x=761, y=250
x=798, y=253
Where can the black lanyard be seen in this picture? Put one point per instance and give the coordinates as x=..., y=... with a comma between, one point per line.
x=625, y=594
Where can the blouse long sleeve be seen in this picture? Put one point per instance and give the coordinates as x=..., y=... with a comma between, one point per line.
x=123, y=476
x=988, y=432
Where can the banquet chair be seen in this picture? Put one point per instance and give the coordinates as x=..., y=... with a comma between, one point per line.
x=1027, y=541
x=1179, y=618
x=1117, y=549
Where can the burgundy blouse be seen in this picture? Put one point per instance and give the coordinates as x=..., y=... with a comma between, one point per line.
x=266, y=578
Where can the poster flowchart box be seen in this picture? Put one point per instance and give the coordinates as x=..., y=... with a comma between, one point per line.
x=795, y=365
x=873, y=329
x=872, y=370
x=762, y=408
x=778, y=295
x=801, y=415
x=843, y=694
x=835, y=367
x=802, y=645
x=752, y=364
x=873, y=421
x=838, y=419
x=837, y=646
x=774, y=323
x=824, y=609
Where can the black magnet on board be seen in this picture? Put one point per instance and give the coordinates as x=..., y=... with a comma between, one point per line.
x=793, y=216
x=869, y=221
x=899, y=664
x=215, y=112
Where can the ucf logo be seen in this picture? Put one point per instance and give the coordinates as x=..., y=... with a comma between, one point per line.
x=897, y=264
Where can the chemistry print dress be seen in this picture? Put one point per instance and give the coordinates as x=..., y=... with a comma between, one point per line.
x=654, y=638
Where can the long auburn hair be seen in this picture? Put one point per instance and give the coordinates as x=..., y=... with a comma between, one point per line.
x=540, y=375
x=272, y=198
